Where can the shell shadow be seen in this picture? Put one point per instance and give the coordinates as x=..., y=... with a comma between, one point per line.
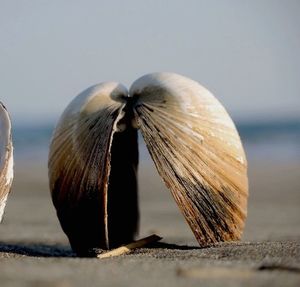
x=36, y=250
x=46, y=250
x=171, y=246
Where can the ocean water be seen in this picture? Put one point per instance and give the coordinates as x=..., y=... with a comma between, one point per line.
x=272, y=141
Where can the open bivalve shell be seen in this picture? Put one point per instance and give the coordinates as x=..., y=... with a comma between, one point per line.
x=193, y=142
x=6, y=158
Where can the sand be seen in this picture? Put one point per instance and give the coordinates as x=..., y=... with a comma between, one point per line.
x=35, y=252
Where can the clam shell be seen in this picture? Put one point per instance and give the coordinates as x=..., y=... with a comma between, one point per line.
x=197, y=151
x=92, y=170
x=6, y=158
x=193, y=142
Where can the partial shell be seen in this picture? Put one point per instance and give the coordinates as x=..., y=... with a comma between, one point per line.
x=92, y=170
x=197, y=151
x=6, y=158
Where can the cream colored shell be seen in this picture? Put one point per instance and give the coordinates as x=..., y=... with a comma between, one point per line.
x=197, y=151
x=191, y=139
x=6, y=158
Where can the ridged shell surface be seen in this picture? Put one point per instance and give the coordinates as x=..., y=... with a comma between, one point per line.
x=197, y=151
x=192, y=140
x=94, y=189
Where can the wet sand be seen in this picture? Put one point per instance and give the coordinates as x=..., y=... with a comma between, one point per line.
x=35, y=252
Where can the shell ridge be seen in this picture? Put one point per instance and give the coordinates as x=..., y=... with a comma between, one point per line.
x=198, y=173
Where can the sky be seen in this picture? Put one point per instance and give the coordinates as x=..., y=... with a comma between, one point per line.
x=247, y=53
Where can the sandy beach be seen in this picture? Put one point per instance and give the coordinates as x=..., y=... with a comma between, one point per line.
x=35, y=252
x=83, y=75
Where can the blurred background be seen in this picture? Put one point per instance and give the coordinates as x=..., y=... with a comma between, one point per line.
x=245, y=52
